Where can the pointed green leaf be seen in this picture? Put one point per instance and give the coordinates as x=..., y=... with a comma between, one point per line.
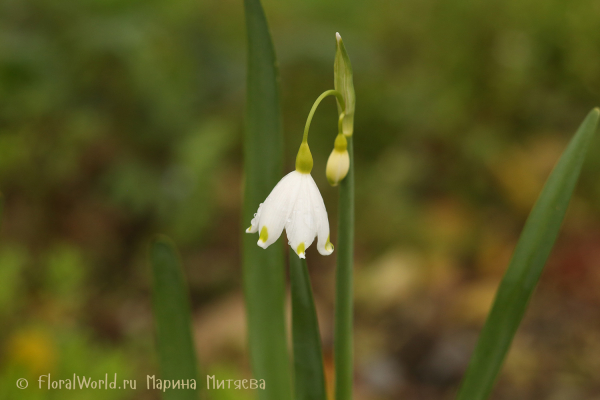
x=523, y=273
x=309, y=382
x=176, y=354
x=264, y=271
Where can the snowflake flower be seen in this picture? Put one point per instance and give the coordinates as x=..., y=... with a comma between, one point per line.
x=296, y=205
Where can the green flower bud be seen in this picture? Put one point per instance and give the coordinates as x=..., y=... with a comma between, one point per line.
x=342, y=71
x=338, y=163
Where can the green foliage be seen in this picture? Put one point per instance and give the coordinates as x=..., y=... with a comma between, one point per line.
x=180, y=195
x=264, y=274
x=309, y=378
x=177, y=356
x=230, y=371
x=40, y=350
x=529, y=258
x=65, y=275
x=12, y=263
x=103, y=105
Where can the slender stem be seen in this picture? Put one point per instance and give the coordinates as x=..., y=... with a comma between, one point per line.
x=343, y=346
x=341, y=122
x=331, y=92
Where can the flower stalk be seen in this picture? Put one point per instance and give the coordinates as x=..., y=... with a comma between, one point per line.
x=326, y=93
x=343, y=333
x=343, y=337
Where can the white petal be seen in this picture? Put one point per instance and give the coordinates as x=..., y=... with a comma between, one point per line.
x=301, y=227
x=275, y=211
x=254, y=223
x=323, y=244
x=296, y=204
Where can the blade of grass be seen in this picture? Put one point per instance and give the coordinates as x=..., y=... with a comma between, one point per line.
x=309, y=382
x=523, y=273
x=264, y=271
x=343, y=345
x=176, y=354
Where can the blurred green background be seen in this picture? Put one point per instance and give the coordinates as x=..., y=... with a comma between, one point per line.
x=121, y=119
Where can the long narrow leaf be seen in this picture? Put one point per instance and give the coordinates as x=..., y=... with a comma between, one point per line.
x=309, y=382
x=264, y=271
x=177, y=356
x=523, y=273
x=343, y=346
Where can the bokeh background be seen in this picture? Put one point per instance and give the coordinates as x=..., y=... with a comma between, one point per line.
x=122, y=119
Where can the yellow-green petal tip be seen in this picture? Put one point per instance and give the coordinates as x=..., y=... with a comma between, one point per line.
x=300, y=250
x=264, y=234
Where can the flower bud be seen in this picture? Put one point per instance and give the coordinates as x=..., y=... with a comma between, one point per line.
x=338, y=163
x=343, y=83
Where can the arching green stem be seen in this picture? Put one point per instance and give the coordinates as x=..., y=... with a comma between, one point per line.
x=341, y=123
x=331, y=92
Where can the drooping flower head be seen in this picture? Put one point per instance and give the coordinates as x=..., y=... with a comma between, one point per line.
x=296, y=205
x=338, y=163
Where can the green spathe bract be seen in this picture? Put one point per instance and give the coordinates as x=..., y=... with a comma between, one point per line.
x=263, y=269
x=523, y=273
x=177, y=356
x=344, y=84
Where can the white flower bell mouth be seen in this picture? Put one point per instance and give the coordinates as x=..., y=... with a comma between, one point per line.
x=296, y=205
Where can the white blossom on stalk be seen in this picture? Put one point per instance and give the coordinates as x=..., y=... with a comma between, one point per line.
x=296, y=205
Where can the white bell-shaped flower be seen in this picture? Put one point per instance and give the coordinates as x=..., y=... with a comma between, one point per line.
x=296, y=205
